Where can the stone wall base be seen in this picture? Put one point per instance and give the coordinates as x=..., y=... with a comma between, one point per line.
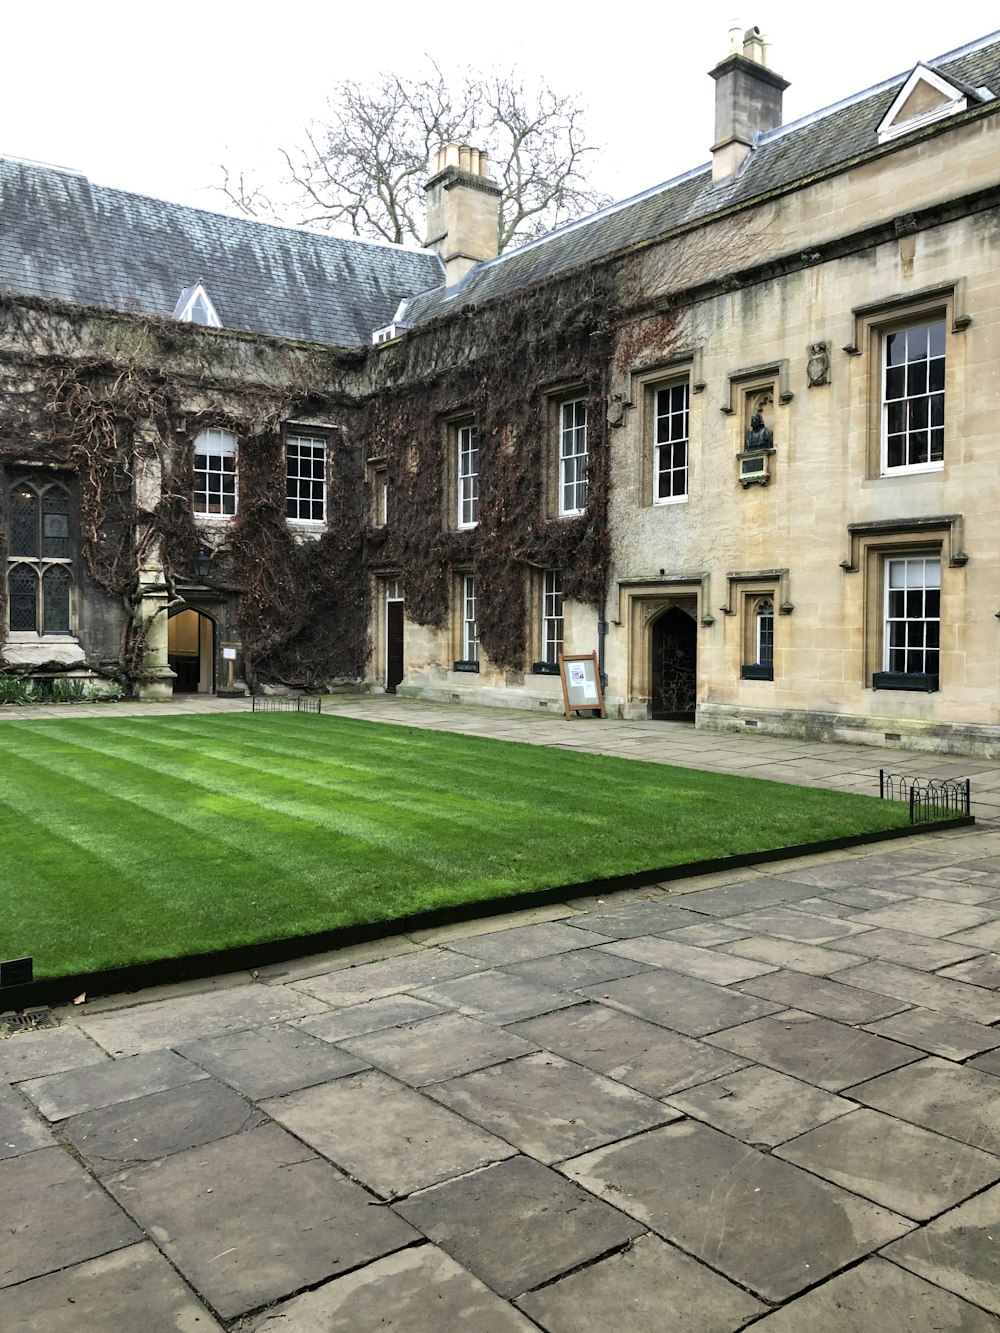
x=980, y=741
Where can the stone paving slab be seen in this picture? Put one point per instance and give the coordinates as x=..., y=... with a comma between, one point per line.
x=959, y=1251
x=519, y=1224
x=150, y=1027
x=910, y=1170
x=147, y=1128
x=134, y=1288
x=373, y=980
x=816, y=1050
x=763, y=1223
x=372, y=1016
x=822, y=996
x=640, y=1289
x=682, y=1003
x=789, y=923
x=878, y=1295
x=54, y=1215
x=938, y=1034
x=791, y=955
x=759, y=1106
x=418, y=1290
x=496, y=997
x=908, y=950
x=550, y=1108
x=988, y=1064
x=951, y=1099
x=927, y=991
x=438, y=1048
x=637, y=918
x=20, y=1129
x=749, y=895
x=980, y=937
x=252, y=1218
x=706, y=935
x=523, y=942
x=982, y=971
x=266, y=1062
x=924, y=916
x=60, y=1095
x=48, y=1051
x=650, y=1059
x=584, y=967
x=392, y=1139
x=688, y=959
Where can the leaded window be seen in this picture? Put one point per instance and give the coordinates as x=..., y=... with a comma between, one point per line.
x=763, y=622
x=39, y=559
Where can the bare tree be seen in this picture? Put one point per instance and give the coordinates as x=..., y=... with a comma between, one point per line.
x=363, y=168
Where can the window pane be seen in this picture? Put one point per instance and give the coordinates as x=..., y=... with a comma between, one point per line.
x=22, y=595
x=55, y=596
x=23, y=522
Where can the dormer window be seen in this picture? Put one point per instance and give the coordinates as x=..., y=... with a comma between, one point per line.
x=925, y=97
x=194, y=306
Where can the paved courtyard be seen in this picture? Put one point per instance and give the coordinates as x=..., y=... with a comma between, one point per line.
x=769, y=1097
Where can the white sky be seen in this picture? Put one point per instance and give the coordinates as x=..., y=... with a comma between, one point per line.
x=153, y=99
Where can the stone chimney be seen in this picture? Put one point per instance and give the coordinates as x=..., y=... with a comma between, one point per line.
x=463, y=209
x=747, y=100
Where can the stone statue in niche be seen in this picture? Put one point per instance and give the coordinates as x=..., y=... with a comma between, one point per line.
x=818, y=365
x=758, y=436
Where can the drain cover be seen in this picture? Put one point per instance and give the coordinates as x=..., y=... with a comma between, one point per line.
x=11, y=1023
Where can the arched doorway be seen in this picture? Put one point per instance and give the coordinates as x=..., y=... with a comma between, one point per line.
x=674, y=666
x=191, y=651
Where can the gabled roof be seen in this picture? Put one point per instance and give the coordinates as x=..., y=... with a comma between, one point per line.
x=64, y=238
x=780, y=158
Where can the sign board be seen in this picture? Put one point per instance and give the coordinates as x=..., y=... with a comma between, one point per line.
x=229, y=654
x=581, y=683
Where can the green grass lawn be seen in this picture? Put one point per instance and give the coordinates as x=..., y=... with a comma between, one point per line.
x=132, y=839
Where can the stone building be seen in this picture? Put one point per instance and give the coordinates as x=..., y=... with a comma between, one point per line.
x=736, y=434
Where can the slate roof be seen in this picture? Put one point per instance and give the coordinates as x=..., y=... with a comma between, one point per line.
x=64, y=238
x=780, y=158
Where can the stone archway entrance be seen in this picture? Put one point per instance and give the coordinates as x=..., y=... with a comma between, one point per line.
x=674, y=666
x=191, y=651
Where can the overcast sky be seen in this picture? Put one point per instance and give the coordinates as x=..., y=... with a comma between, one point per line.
x=153, y=99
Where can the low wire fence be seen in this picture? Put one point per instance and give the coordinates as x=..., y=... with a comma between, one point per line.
x=284, y=703
x=928, y=798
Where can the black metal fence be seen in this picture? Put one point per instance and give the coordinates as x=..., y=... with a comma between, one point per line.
x=284, y=703
x=928, y=798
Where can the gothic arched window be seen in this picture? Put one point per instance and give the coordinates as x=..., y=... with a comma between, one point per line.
x=39, y=558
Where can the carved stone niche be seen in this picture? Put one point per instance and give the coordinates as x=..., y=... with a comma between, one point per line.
x=754, y=459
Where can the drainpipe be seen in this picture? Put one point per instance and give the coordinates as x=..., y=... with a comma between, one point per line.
x=602, y=624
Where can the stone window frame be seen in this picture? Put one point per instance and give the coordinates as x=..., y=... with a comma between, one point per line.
x=646, y=386
x=570, y=433
x=871, y=323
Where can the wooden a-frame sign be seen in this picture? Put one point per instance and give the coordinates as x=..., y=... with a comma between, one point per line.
x=581, y=684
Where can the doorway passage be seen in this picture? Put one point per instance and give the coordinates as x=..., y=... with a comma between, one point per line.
x=191, y=651
x=674, y=674
x=394, y=665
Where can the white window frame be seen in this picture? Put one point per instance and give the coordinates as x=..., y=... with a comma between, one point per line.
x=573, y=457
x=671, y=436
x=216, y=446
x=300, y=486
x=553, y=617
x=467, y=475
x=919, y=374
x=919, y=652
x=470, y=624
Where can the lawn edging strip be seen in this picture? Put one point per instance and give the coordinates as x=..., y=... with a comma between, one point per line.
x=189, y=967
